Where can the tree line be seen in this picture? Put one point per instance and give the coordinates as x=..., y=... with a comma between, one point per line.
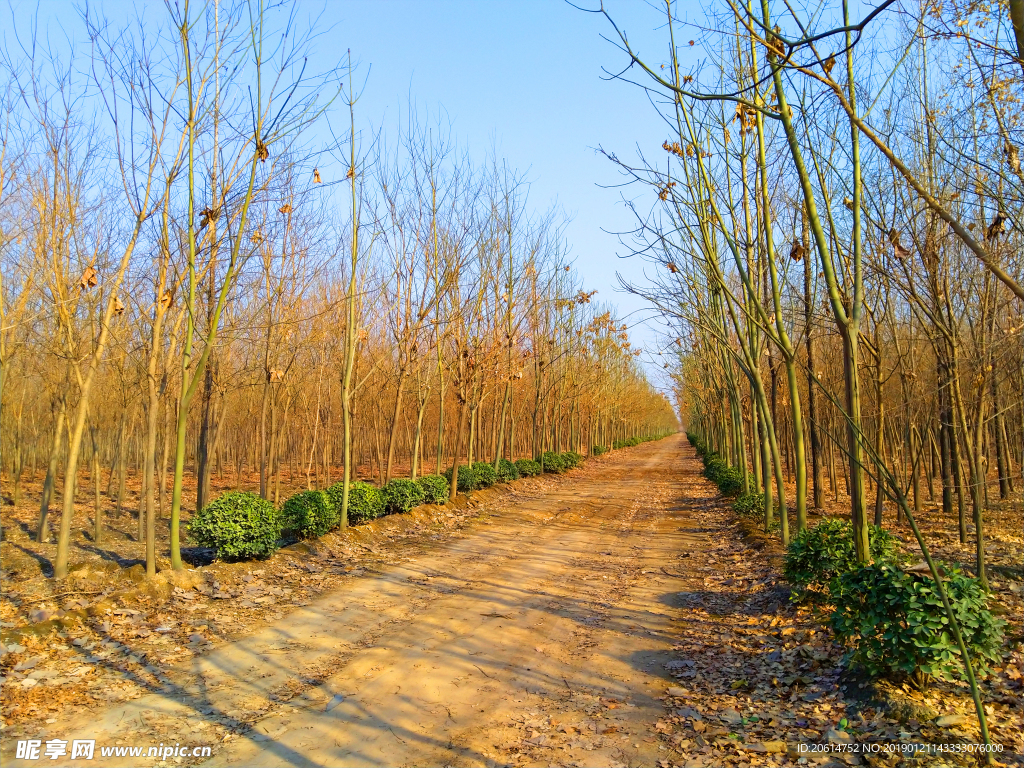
x=835, y=216
x=196, y=284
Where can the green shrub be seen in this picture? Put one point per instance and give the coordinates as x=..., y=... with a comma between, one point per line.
x=435, y=489
x=597, y=450
x=552, y=462
x=816, y=556
x=894, y=624
x=749, y=505
x=571, y=459
x=730, y=481
x=485, y=474
x=507, y=471
x=714, y=466
x=400, y=495
x=238, y=524
x=310, y=514
x=528, y=468
x=698, y=445
x=365, y=501
x=467, y=478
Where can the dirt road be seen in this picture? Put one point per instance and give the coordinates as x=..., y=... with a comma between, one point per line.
x=610, y=617
x=499, y=644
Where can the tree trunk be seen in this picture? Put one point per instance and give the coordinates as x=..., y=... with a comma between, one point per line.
x=817, y=491
x=97, y=518
x=166, y=452
x=419, y=435
x=393, y=437
x=999, y=438
x=879, y=430
x=204, y=450
x=463, y=414
x=42, y=528
x=858, y=510
x=122, y=449
x=440, y=427
x=264, y=442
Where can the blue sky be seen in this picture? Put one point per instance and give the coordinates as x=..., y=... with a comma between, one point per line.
x=526, y=77
x=523, y=76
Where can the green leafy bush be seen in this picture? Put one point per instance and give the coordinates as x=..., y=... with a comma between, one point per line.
x=435, y=489
x=716, y=469
x=894, y=624
x=365, y=501
x=749, y=505
x=597, y=450
x=816, y=556
x=730, y=481
x=571, y=459
x=528, y=468
x=507, y=471
x=310, y=514
x=400, y=495
x=699, y=446
x=238, y=524
x=485, y=474
x=552, y=462
x=467, y=478
x=714, y=466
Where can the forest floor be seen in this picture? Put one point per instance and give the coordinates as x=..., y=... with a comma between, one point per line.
x=613, y=616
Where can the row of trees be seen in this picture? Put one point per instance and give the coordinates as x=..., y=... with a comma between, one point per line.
x=835, y=216
x=189, y=291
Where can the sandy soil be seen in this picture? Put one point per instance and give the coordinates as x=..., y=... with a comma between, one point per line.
x=611, y=617
x=552, y=607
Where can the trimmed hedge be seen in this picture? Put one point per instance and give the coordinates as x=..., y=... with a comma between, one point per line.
x=242, y=525
x=749, y=505
x=552, y=462
x=714, y=466
x=571, y=459
x=730, y=482
x=400, y=495
x=486, y=476
x=467, y=478
x=365, y=501
x=716, y=469
x=507, y=471
x=528, y=468
x=238, y=524
x=309, y=514
x=435, y=489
